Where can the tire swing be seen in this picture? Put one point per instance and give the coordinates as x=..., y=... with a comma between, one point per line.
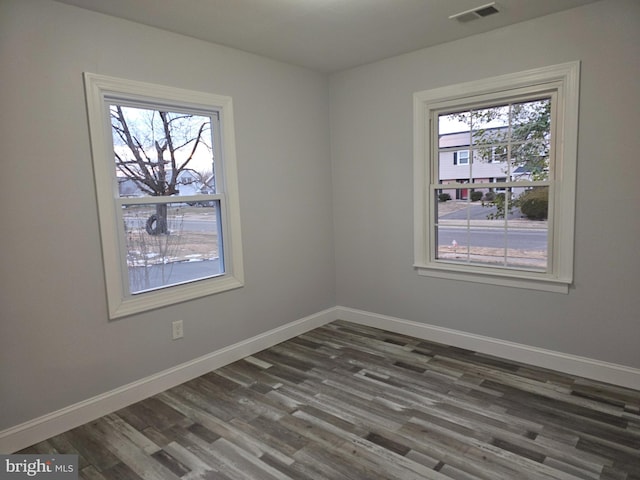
x=153, y=226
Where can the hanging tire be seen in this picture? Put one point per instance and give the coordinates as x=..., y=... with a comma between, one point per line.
x=153, y=226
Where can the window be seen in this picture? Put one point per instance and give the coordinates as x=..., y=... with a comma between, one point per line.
x=166, y=183
x=461, y=157
x=519, y=130
x=498, y=154
x=499, y=180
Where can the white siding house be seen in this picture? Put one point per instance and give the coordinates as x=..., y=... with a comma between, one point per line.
x=459, y=164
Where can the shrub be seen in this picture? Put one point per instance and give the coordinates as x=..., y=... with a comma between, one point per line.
x=499, y=202
x=443, y=197
x=534, y=203
x=476, y=196
x=489, y=197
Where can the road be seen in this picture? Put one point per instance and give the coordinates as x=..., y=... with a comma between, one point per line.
x=534, y=237
x=478, y=212
x=189, y=223
x=521, y=239
x=530, y=238
x=199, y=225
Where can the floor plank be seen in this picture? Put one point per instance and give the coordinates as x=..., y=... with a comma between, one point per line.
x=346, y=401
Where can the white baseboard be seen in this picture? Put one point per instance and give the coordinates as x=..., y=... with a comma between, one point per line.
x=562, y=362
x=41, y=428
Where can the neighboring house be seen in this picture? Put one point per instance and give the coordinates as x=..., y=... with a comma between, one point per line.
x=189, y=183
x=458, y=164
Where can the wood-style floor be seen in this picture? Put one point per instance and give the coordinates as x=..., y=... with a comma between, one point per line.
x=351, y=402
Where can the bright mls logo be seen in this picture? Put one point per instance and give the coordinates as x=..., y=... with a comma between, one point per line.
x=52, y=467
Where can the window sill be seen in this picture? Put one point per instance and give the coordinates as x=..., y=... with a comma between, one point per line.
x=176, y=294
x=515, y=279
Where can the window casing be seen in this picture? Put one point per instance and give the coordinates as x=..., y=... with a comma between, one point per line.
x=166, y=184
x=461, y=157
x=545, y=162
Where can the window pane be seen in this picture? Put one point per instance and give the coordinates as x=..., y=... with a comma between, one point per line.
x=490, y=125
x=527, y=244
x=530, y=161
x=483, y=155
x=454, y=129
x=487, y=245
x=183, y=248
x=475, y=245
x=454, y=166
x=533, y=203
x=531, y=121
x=162, y=153
x=452, y=241
x=449, y=210
x=488, y=163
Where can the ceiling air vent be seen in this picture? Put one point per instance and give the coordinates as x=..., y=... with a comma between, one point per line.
x=475, y=13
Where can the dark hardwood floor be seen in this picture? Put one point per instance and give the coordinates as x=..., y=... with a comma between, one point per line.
x=351, y=402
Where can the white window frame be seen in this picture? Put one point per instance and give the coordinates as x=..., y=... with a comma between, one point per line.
x=493, y=155
x=102, y=90
x=459, y=158
x=562, y=82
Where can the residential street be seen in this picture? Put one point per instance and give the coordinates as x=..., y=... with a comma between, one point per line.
x=517, y=238
x=522, y=234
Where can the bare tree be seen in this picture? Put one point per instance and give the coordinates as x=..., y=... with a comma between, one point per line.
x=153, y=147
x=205, y=179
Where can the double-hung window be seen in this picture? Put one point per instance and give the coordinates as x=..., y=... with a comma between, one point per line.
x=519, y=130
x=461, y=157
x=166, y=183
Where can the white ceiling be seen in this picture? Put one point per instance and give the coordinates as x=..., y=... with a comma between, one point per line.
x=324, y=35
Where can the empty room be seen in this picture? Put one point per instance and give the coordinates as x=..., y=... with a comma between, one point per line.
x=407, y=247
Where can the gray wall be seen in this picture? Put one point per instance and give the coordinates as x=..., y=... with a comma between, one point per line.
x=56, y=345
x=371, y=133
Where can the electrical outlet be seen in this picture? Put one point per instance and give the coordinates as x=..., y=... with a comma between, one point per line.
x=178, y=329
